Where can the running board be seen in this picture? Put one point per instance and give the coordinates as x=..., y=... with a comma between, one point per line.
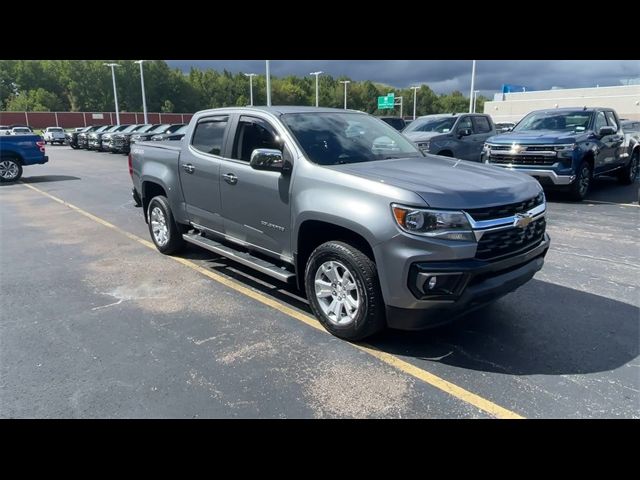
x=244, y=258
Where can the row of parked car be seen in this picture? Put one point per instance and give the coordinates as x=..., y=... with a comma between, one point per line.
x=118, y=138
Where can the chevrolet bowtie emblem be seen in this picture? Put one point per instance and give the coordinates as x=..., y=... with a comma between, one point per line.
x=522, y=220
x=517, y=148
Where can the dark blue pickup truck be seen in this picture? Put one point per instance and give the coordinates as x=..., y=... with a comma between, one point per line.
x=17, y=151
x=565, y=148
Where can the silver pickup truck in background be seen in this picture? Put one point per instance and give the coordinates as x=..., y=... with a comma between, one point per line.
x=375, y=232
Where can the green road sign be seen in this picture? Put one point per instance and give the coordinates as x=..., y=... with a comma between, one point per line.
x=387, y=101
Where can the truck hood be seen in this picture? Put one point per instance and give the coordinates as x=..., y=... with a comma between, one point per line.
x=541, y=137
x=449, y=183
x=421, y=136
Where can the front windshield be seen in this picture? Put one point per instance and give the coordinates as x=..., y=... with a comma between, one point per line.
x=337, y=138
x=132, y=128
x=576, y=121
x=181, y=131
x=433, y=124
x=159, y=129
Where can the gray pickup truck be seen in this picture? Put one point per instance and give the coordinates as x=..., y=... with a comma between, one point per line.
x=337, y=202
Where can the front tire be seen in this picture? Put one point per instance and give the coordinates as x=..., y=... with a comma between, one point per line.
x=629, y=174
x=165, y=233
x=10, y=170
x=343, y=289
x=580, y=186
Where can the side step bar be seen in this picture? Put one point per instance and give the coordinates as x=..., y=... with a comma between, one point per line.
x=244, y=258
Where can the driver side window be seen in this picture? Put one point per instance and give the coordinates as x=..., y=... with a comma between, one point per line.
x=464, y=123
x=254, y=133
x=601, y=121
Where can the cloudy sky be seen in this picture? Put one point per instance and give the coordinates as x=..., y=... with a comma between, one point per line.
x=443, y=76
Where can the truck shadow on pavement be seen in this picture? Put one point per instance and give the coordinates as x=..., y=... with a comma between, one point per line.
x=603, y=189
x=541, y=328
x=48, y=178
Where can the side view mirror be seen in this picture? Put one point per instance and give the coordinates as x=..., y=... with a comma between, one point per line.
x=464, y=132
x=607, y=130
x=267, y=159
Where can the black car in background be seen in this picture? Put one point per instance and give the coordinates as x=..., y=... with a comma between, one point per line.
x=95, y=138
x=72, y=137
x=120, y=141
x=396, y=122
x=109, y=138
x=165, y=128
x=83, y=137
x=177, y=135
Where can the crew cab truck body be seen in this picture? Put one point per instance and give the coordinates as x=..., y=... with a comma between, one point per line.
x=17, y=151
x=460, y=135
x=565, y=148
x=54, y=135
x=336, y=201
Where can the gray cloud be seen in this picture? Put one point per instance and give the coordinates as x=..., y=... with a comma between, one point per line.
x=444, y=76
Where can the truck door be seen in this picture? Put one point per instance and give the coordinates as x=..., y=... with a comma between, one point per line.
x=200, y=171
x=604, y=157
x=481, y=131
x=464, y=145
x=255, y=203
x=617, y=141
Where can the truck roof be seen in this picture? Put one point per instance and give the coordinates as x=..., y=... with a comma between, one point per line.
x=572, y=109
x=282, y=109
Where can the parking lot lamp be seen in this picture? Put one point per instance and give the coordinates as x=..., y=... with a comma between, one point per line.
x=473, y=85
x=250, y=75
x=345, y=82
x=115, y=92
x=268, y=84
x=144, y=98
x=415, y=90
x=317, y=74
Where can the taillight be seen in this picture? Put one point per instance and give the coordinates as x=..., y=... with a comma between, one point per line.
x=41, y=145
x=130, y=166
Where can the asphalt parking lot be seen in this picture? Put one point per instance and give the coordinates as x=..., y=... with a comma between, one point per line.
x=96, y=324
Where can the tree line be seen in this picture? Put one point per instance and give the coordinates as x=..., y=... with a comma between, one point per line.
x=79, y=85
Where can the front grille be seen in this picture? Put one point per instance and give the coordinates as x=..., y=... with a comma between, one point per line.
x=118, y=142
x=510, y=241
x=502, y=211
x=522, y=160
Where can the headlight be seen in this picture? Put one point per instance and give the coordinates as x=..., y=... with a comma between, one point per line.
x=445, y=224
x=423, y=146
x=566, y=147
x=486, y=147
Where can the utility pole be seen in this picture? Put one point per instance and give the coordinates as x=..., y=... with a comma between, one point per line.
x=144, y=99
x=317, y=74
x=473, y=86
x=346, y=82
x=115, y=92
x=268, y=85
x=250, y=75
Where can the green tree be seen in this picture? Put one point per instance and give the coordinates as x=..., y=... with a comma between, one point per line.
x=38, y=100
x=167, y=107
x=455, y=102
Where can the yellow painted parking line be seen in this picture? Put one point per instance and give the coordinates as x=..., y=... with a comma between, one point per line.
x=408, y=368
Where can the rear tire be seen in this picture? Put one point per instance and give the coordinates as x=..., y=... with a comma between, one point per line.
x=165, y=233
x=581, y=185
x=629, y=174
x=10, y=170
x=343, y=289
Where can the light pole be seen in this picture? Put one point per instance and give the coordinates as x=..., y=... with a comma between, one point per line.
x=317, y=74
x=473, y=85
x=475, y=99
x=144, y=97
x=115, y=93
x=250, y=75
x=415, y=92
x=346, y=82
x=268, y=84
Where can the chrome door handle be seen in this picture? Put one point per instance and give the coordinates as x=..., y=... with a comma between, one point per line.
x=230, y=178
x=188, y=168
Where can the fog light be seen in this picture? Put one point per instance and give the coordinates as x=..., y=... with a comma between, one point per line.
x=432, y=283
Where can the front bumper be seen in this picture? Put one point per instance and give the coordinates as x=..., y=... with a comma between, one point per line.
x=545, y=177
x=481, y=282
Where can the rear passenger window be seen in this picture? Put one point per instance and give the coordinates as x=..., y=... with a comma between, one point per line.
x=481, y=125
x=209, y=135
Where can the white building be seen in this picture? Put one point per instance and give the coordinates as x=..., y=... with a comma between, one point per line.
x=511, y=107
